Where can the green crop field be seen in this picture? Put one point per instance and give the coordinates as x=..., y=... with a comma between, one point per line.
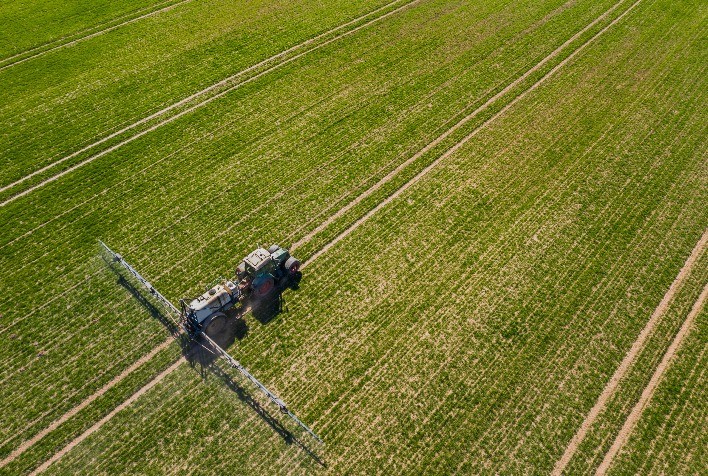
x=500, y=208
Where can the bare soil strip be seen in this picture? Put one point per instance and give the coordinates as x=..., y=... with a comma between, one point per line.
x=464, y=140
x=86, y=37
x=182, y=102
x=27, y=444
x=172, y=368
x=648, y=392
x=636, y=348
x=105, y=419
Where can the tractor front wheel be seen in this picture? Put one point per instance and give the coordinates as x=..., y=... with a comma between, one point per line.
x=292, y=265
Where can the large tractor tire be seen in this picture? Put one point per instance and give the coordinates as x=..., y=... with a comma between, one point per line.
x=215, y=325
x=264, y=286
x=292, y=266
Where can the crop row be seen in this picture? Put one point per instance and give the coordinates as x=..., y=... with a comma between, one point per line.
x=102, y=335
x=56, y=104
x=472, y=323
x=34, y=25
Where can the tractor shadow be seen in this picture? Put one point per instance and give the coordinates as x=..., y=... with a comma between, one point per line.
x=235, y=328
x=204, y=360
x=199, y=351
x=266, y=308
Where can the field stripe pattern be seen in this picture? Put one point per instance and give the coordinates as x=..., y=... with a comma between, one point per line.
x=648, y=393
x=127, y=19
x=564, y=220
x=227, y=86
x=636, y=348
x=437, y=141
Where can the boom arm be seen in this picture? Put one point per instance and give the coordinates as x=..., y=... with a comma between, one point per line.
x=213, y=346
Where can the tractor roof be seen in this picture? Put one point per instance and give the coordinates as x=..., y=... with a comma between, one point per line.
x=257, y=259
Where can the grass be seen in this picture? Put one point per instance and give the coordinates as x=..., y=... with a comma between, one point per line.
x=469, y=325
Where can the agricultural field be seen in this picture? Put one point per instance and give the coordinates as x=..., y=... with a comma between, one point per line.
x=499, y=206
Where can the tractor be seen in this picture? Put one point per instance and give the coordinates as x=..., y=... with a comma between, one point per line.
x=258, y=274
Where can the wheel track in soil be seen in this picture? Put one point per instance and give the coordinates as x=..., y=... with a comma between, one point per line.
x=630, y=357
x=465, y=139
x=678, y=412
x=386, y=179
x=96, y=426
x=224, y=83
x=649, y=390
x=55, y=424
x=151, y=11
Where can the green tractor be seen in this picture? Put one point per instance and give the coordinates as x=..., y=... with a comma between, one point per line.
x=262, y=270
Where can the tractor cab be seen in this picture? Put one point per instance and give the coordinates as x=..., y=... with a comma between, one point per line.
x=259, y=262
x=263, y=269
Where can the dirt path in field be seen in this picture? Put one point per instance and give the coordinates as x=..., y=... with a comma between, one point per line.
x=185, y=101
x=106, y=418
x=55, y=424
x=87, y=37
x=450, y=151
x=636, y=348
x=464, y=140
x=648, y=392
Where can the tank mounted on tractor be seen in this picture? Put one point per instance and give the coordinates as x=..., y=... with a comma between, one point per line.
x=258, y=274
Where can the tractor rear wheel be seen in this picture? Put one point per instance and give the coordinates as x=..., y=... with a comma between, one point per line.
x=292, y=265
x=215, y=324
x=264, y=287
